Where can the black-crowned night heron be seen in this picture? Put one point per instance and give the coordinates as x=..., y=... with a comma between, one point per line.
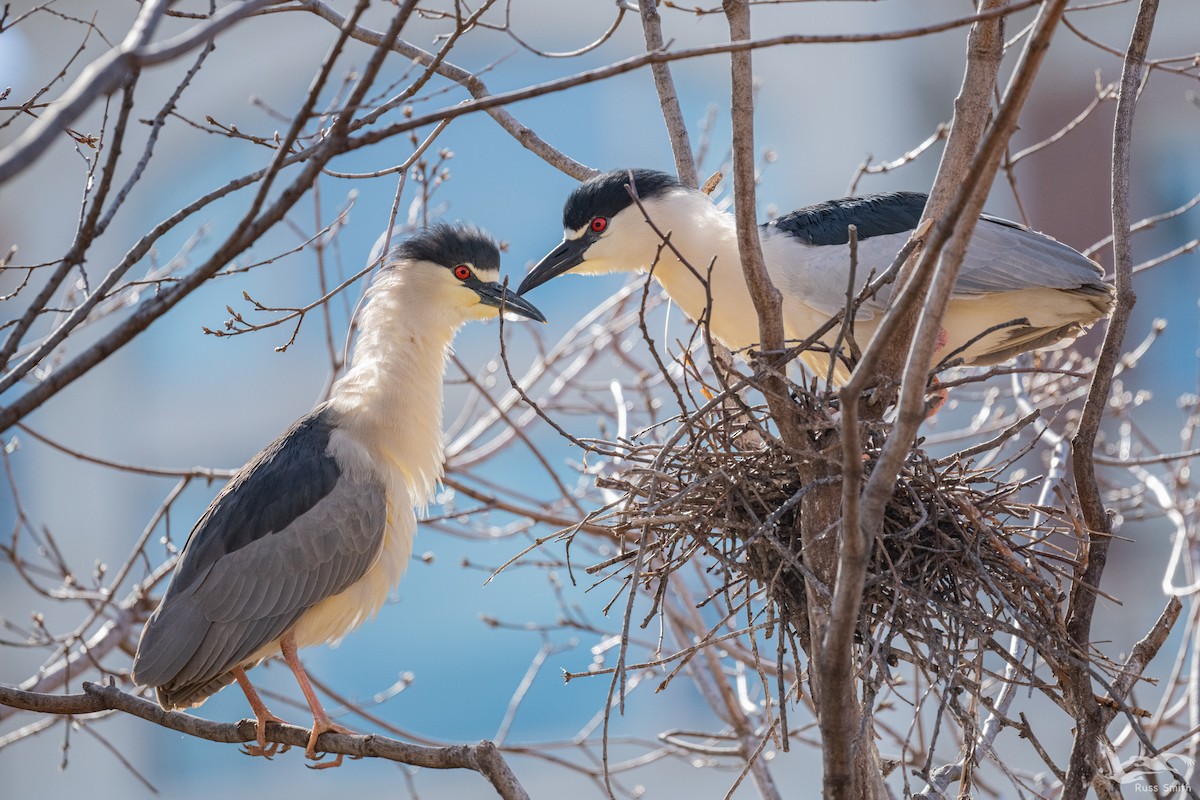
x=306, y=541
x=1009, y=273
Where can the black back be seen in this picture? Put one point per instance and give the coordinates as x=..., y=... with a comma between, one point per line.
x=281, y=483
x=873, y=215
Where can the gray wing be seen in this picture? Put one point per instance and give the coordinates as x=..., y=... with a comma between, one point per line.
x=1004, y=257
x=290, y=530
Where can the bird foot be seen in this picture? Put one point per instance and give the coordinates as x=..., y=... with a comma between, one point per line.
x=268, y=752
x=935, y=398
x=264, y=748
x=319, y=727
x=935, y=402
x=321, y=721
x=261, y=717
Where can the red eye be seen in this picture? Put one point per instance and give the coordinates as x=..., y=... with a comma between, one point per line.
x=462, y=272
x=599, y=224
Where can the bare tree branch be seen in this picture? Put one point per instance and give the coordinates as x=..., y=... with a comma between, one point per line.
x=116, y=68
x=792, y=558
x=668, y=99
x=1082, y=770
x=767, y=300
x=483, y=758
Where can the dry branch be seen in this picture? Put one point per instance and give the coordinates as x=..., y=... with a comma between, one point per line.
x=708, y=507
x=1084, y=767
x=483, y=758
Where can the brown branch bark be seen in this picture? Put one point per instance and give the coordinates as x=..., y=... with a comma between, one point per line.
x=106, y=74
x=668, y=98
x=1140, y=657
x=1083, y=766
x=637, y=62
x=253, y=224
x=767, y=300
x=862, y=514
x=483, y=757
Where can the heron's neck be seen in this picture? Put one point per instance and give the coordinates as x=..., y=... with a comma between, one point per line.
x=701, y=232
x=390, y=398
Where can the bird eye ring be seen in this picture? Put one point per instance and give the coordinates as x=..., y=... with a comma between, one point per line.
x=462, y=272
x=599, y=224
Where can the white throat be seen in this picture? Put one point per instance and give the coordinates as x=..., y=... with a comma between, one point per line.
x=706, y=238
x=390, y=399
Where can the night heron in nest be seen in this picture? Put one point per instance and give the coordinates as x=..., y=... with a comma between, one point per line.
x=306, y=541
x=1027, y=289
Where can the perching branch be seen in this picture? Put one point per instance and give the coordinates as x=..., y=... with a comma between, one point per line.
x=483, y=758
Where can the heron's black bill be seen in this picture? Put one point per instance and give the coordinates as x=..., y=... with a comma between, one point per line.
x=496, y=295
x=556, y=262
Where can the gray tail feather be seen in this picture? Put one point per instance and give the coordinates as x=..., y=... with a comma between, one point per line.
x=187, y=658
x=1102, y=297
x=1025, y=339
x=191, y=695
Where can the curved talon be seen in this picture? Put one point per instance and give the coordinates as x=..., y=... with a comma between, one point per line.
x=320, y=726
x=268, y=752
x=337, y=762
x=264, y=748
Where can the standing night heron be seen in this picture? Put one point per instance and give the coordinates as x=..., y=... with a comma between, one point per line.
x=1032, y=290
x=306, y=541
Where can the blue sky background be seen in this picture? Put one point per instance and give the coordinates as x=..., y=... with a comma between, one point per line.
x=176, y=397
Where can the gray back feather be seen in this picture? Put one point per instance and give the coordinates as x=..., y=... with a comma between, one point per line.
x=290, y=530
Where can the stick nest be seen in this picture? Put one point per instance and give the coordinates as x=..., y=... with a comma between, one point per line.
x=960, y=559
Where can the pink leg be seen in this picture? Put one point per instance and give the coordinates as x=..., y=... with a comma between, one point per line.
x=261, y=714
x=936, y=398
x=942, y=337
x=321, y=720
